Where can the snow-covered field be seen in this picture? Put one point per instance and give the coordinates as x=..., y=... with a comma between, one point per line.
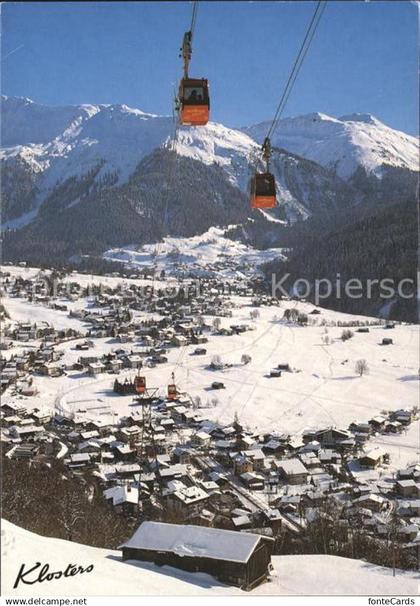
x=322, y=390
x=22, y=311
x=198, y=253
x=292, y=575
x=84, y=280
x=403, y=450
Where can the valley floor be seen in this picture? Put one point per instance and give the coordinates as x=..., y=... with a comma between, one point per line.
x=323, y=388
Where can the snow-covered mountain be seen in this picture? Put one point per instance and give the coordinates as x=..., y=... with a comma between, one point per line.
x=55, y=144
x=110, y=166
x=343, y=144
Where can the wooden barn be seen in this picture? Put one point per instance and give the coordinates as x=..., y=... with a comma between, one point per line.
x=241, y=559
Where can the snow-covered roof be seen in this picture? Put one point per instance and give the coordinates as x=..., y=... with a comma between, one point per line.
x=193, y=541
x=292, y=466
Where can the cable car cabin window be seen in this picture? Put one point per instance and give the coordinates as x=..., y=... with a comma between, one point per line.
x=265, y=185
x=263, y=191
x=194, y=96
x=194, y=92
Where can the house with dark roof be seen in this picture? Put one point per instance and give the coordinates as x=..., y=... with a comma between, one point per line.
x=235, y=558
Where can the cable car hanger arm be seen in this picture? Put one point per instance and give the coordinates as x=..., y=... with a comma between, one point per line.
x=186, y=48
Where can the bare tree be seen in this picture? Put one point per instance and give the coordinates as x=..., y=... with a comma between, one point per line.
x=361, y=367
x=217, y=323
x=216, y=362
x=196, y=402
x=246, y=359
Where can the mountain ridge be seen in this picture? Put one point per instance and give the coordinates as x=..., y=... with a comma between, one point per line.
x=118, y=158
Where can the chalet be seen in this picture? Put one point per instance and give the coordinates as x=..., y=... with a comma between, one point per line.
x=26, y=432
x=179, y=341
x=272, y=447
x=11, y=420
x=360, y=428
x=331, y=436
x=241, y=464
x=241, y=559
x=409, y=508
x=86, y=360
x=217, y=385
x=292, y=471
x=167, y=424
x=91, y=446
x=257, y=458
x=199, y=340
x=23, y=451
x=127, y=470
x=309, y=459
x=79, y=460
x=404, y=417
x=201, y=438
x=377, y=423
x=115, y=365
x=128, y=434
x=252, y=480
x=133, y=361
x=372, y=458
x=329, y=457
x=89, y=435
x=407, y=488
x=200, y=351
x=393, y=427
x=96, y=368
x=41, y=416
x=124, y=498
x=182, y=455
x=178, y=413
x=84, y=346
x=14, y=408
x=124, y=452
x=374, y=502
x=242, y=522
x=102, y=426
x=187, y=501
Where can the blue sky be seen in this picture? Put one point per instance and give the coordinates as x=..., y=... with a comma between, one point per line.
x=363, y=57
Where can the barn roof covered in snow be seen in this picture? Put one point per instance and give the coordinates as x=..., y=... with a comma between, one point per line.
x=198, y=541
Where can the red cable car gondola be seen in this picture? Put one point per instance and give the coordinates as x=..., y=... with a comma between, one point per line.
x=140, y=384
x=193, y=95
x=263, y=191
x=172, y=391
x=263, y=185
x=194, y=102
